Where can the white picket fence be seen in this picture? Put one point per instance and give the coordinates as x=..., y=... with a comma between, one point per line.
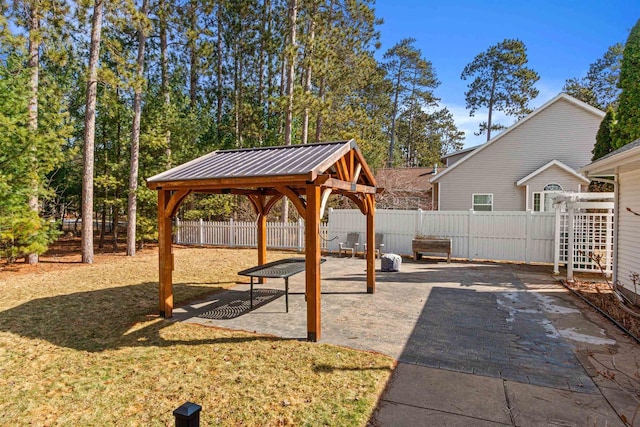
x=500, y=236
x=243, y=234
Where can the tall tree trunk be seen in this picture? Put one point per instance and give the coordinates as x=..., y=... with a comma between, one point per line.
x=193, y=55
x=291, y=63
x=261, y=52
x=114, y=225
x=135, y=138
x=89, y=135
x=283, y=78
x=491, y=100
x=307, y=77
x=34, y=67
x=105, y=171
x=321, y=96
x=103, y=223
x=219, y=72
x=236, y=93
x=393, y=121
x=164, y=72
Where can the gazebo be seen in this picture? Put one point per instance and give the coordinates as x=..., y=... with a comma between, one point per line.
x=305, y=174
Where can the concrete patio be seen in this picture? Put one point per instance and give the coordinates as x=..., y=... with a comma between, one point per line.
x=476, y=344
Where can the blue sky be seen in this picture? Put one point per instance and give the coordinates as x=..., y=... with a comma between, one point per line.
x=562, y=39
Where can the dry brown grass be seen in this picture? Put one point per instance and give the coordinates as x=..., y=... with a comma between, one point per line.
x=80, y=345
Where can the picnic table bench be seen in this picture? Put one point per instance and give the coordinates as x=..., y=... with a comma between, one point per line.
x=283, y=269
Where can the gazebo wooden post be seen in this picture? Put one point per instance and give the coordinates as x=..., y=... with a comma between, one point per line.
x=165, y=257
x=262, y=242
x=371, y=242
x=312, y=261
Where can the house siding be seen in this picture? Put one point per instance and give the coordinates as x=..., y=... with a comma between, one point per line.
x=561, y=131
x=555, y=175
x=455, y=158
x=628, y=226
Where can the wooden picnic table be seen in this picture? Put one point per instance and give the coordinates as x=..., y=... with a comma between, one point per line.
x=283, y=269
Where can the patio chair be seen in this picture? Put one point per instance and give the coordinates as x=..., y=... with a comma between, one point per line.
x=350, y=246
x=379, y=246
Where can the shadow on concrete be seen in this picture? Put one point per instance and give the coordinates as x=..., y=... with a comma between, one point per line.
x=483, y=333
x=229, y=304
x=99, y=320
x=475, y=332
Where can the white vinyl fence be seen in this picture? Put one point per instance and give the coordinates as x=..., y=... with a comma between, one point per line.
x=500, y=236
x=242, y=234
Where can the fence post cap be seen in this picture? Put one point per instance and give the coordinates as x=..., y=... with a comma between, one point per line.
x=187, y=409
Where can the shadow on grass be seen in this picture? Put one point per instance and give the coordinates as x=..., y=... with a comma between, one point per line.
x=100, y=320
x=328, y=369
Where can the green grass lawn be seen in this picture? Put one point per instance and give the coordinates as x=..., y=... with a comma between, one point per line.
x=82, y=345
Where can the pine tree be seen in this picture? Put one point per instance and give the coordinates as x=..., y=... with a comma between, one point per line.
x=627, y=127
x=599, y=87
x=604, y=137
x=135, y=131
x=413, y=80
x=501, y=82
x=89, y=135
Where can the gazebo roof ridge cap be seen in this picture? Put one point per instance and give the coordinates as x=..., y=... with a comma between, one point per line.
x=282, y=147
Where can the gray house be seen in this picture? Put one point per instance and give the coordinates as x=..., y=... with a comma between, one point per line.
x=623, y=165
x=522, y=167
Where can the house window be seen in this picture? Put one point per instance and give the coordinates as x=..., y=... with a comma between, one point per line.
x=543, y=200
x=483, y=202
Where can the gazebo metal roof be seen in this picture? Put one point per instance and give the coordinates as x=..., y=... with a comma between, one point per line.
x=267, y=166
x=259, y=162
x=305, y=174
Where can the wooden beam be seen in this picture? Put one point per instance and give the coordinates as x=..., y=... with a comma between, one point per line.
x=312, y=262
x=262, y=242
x=349, y=186
x=368, y=175
x=237, y=182
x=371, y=243
x=262, y=208
x=356, y=174
x=342, y=169
x=165, y=255
x=240, y=191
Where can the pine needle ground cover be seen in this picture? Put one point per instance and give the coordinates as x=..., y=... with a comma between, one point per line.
x=81, y=345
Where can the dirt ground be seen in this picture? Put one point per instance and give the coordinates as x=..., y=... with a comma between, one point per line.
x=65, y=254
x=601, y=295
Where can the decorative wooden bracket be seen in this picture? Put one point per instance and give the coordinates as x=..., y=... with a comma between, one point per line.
x=324, y=199
x=175, y=201
x=296, y=199
x=260, y=204
x=360, y=203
